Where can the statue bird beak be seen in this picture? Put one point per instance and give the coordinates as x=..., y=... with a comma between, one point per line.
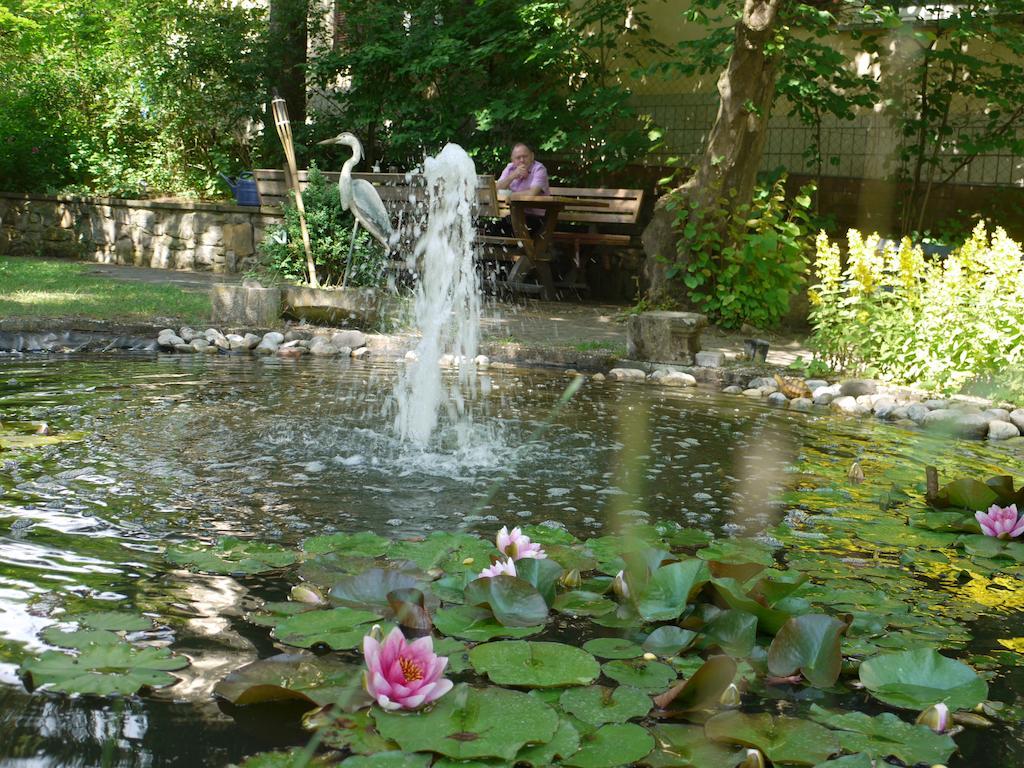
x=329, y=141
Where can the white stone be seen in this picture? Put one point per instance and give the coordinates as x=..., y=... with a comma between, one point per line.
x=823, y=398
x=733, y=390
x=878, y=402
x=1002, y=430
x=273, y=337
x=200, y=344
x=815, y=391
x=183, y=347
x=762, y=382
x=678, y=379
x=349, y=338
x=917, y=412
x=323, y=349
x=361, y=352
x=813, y=384
x=848, y=405
x=753, y=393
x=802, y=404
x=251, y=340
x=597, y=377
x=936, y=405
x=411, y=356
x=626, y=374
x=188, y=334
x=709, y=359
x=212, y=334
x=1017, y=418
x=997, y=414
x=482, y=361
x=778, y=399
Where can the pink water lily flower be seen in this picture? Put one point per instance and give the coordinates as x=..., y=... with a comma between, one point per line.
x=517, y=545
x=1001, y=522
x=499, y=568
x=404, y=675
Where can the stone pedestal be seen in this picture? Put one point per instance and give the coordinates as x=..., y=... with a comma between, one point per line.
x=245, y=306
x=665, y=337
x=358, y=307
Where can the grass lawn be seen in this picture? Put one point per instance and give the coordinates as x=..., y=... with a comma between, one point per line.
x=50, y=288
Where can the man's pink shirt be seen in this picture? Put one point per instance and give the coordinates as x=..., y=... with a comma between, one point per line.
x=537, y=177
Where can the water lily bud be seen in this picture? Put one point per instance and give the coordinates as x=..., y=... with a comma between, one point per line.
x=856, y=474
x=730, y=696
x=936, y=717
x=650, y=656
x=376, y=633
x=619, y=585
x=306, y=593
x=435, y=573
x=754, y=759
x=572, y=579
x=468, y=561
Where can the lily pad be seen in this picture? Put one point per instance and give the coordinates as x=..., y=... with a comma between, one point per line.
x=669, y=640
x=703, y=689
x=355, y=732
x=687, y=746
x=613, y=648
x=293, y=758
x=231, y=556
x=565, y=742
x=596, y=705
x=296, y=677
x=337, y=628
x=476, y=624
x=82, y=638
x=115, y=621
x=104, y=669
x=645, y=675
x=472, y=723
x=514, y=602
x=732, y=592
x=612, y=746
x=581, y=603
x=534, y=665
x=369, y=590
x=668, y=591
x=809, y=644
x=447, y=551
x=885, y=736
x=733, y=631
x=542, y=574
x=456, y=652
x=921, y=677
x=363, y=544
x=782, y=739
x=388, y=760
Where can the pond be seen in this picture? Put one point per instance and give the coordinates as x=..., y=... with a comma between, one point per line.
x=177, y=450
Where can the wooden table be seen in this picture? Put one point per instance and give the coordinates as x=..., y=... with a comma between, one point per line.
x=536, y=249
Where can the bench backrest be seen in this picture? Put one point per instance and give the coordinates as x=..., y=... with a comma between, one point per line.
x=623, y=205
x=393, y=188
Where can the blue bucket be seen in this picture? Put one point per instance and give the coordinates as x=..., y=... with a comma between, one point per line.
x=244, y=188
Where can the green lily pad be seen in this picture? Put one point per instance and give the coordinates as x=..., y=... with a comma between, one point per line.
x=547, y=535
x=921, y=677
x=542, y=574
x=733, y=631
x=885, y=736
x=596, y=705
x=703, y=689
x=363, y=544
x=732, y=592
x=274, y=612
x=737, y=551
x=989, y=546
x=115, y=621
x=612, y=746
x=613, y=648
x=565, y=742
x=809, y=644
x=687, y=746
x=534, y=665
x=967, y=493
x=369, y=590
x=669, y=640
x=580, y=603
x=669, y=589
x=514, y=602
x=860, y=760
x=650, y=676
x=476, y=624
x=12, y=441
x=447, y=551
x=388, y=760
x=355, y=732
x=456, y=652
x=782, y=739
x=337, y=628
x=231, y=556
x=80, y=639
x=104, y=669
x=472, y=723
x=293, y=758
x=296, y=677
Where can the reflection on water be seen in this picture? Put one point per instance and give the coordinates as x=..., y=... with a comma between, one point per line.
x=195, y=448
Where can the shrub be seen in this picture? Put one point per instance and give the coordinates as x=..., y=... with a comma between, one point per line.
x=744, y=261
x=330, y=235
x=940, y=323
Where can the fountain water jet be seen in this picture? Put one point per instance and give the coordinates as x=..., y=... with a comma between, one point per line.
x=447, y=304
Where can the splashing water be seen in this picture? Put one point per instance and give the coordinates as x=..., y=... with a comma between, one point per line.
x=447, y=305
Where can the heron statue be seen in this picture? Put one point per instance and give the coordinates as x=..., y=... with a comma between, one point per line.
x=360, y=197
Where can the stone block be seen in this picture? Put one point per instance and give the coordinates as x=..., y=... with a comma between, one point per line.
x=667, y=337
x=245, y=306
x=361, y=307
x=710, y=359
x=238, y=238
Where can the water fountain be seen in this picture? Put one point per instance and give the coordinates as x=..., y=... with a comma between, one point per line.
x=447, y=303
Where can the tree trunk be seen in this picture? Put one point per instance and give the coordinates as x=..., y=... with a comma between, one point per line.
x=285, y=68
x=735, y=145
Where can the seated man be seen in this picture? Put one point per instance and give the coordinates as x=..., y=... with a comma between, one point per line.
x=524, y=176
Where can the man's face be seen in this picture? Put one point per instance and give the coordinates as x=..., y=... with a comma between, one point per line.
x=522, y=157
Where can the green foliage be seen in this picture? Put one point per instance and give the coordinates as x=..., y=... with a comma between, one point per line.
x=939, y=323
x=109, y=97
x=743, y=261
x=330, y=235
x=426, y=72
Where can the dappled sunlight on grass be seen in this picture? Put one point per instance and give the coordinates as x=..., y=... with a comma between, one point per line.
x=32, y=287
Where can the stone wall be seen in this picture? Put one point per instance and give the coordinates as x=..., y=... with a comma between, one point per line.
x=168, y=234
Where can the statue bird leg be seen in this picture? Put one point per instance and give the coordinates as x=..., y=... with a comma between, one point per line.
x=351, y=250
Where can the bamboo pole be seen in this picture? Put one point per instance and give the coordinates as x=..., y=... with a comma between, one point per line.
x=284, y=130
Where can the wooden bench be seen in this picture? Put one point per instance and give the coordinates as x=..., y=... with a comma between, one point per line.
x=614, y=225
